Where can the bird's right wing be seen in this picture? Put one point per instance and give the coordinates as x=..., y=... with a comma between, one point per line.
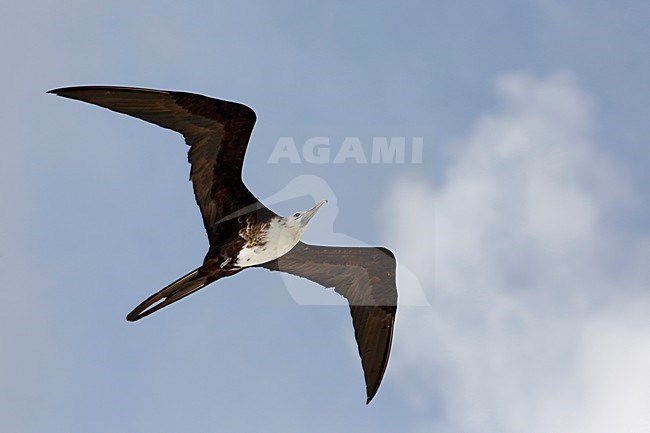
x=365, y=276
x=217, y=132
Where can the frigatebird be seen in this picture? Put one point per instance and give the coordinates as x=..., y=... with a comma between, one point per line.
x=242, y=232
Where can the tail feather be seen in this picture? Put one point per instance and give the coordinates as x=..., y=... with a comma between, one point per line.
x=184, y=286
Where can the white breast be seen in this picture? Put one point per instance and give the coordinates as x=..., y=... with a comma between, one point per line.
x=278, y=240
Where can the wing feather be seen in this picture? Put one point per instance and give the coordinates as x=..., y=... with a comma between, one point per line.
x=365, y=276
x=217, y=132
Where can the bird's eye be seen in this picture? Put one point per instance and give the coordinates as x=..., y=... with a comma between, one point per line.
x=296, y=215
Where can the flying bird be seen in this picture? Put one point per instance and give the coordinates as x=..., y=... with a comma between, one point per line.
x=244, y=233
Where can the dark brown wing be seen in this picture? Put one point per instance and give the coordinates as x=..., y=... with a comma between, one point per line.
x=217, y=132
x=366, y=277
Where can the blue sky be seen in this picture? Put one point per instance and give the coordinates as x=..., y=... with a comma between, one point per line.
x=523, y=235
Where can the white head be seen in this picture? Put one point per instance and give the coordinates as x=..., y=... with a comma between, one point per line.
x=299, y=220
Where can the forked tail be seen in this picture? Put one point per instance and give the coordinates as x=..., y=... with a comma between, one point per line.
x=184, y=286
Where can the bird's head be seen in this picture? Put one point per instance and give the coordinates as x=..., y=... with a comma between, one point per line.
x=299, y=220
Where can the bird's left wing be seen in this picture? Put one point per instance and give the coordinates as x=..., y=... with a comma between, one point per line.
x=365, y=276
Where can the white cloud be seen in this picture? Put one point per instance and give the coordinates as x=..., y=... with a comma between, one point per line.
x=531, y=327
